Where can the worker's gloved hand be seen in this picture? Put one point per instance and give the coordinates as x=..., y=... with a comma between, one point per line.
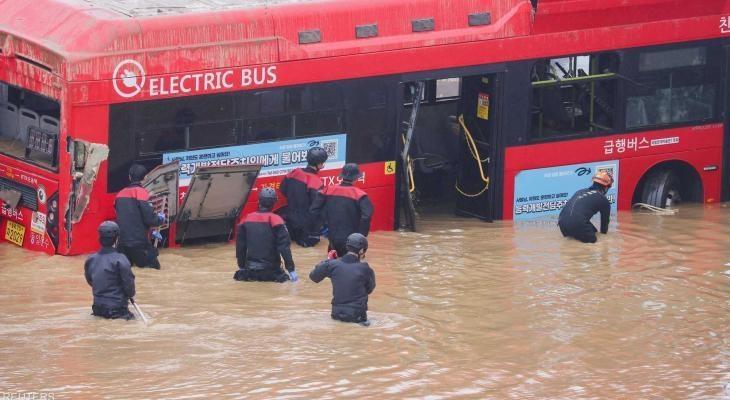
x=293, y=276
x=332, y=255
x=157, y=235
x=160, y=217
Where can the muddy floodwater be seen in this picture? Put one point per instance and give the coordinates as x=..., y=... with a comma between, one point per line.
x=462, y=309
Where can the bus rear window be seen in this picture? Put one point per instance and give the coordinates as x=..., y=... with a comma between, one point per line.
x=29, y=126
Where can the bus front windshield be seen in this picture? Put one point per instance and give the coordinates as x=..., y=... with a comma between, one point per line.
x=29, y=126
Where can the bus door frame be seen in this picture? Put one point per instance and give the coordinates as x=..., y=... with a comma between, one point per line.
x=496, y=165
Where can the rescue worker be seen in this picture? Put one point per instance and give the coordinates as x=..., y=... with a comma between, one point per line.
x=346, y=209
x=574, y=220
x=135, y=217
x=110, y=276
x=262, y=240
x=300, y=188
x=352, y=281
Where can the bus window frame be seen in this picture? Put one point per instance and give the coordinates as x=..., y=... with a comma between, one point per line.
x=56, y=158
x=631, y=61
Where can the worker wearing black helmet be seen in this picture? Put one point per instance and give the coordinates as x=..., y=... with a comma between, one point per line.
x=575, y=217
x=110, y=276
x=262, y=240
x=300, y=188
x=352, y=281
x=345, y=208
x=136, y=217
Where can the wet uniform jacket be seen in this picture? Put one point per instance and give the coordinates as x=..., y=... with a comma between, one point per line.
x=300, y=188
x=135, y=215
x=352, y=282
x=110, y=276
x=346, y=209
x=575, y=217
x=262, y=241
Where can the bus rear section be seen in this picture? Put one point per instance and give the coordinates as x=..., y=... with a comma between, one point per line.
x=29, y=151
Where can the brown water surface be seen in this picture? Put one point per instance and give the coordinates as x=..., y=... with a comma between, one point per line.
x=462, y=309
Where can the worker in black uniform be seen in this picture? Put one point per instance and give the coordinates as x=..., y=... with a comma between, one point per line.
x=262, y=240
x=300, y=188
x=574, y=220
x=136, y=217
x=352, y=281
x=110, y=276
x=345, y=208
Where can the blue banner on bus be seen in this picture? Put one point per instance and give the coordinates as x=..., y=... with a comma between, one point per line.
x=277, y=158
x=541, y=193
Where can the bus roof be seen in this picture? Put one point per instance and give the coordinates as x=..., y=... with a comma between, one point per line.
x=147, y=8
x=82, y=40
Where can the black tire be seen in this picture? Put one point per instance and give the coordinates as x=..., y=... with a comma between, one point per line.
x=661, y=185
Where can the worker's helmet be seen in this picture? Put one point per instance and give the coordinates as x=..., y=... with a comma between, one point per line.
x=316, y=156
x=268, y=197
x=350, y=172
x=137, y=172
x=108, y=229
x=603, y=178
x=356, y=242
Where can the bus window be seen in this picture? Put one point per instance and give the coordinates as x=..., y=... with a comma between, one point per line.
x=672, y=87
x=29, y=126
x=574, y=95
x=448, y=88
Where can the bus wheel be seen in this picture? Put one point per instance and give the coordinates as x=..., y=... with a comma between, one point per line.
x=662, y=188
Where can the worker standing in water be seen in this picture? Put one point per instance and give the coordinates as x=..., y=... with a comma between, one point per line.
x=346, y=209
x=136, y=217
x=300, y=188
x=352, y=281
x=262, y=240
x=575, y=217
x=110, y=276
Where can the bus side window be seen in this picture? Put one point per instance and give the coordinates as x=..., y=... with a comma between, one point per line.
x=574, y=95
x=673, y=86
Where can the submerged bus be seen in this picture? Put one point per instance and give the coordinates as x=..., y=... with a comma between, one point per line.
x=495, y=109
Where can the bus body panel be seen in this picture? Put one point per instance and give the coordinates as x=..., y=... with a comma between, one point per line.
x=698, y=146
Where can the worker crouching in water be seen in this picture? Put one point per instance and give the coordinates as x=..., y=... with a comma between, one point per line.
x=346, y=209
x=352, y=281
x=574, y=220
x=136, y=217
x=300, y=188
x=110, y=276
x=262, y=240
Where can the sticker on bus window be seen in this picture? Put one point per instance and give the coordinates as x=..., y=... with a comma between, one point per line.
x=483, y=106
x=276, y=158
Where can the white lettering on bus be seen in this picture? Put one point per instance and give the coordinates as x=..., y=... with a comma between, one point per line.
x=258, y=76
x=209, y=81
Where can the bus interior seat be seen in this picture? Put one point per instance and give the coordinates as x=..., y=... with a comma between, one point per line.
x=50, y=124
x=8, y=120
x=27, y=119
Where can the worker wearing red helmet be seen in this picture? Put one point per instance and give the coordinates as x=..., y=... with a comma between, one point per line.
x=575, y=217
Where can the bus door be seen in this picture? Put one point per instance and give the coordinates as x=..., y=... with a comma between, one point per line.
x=476, y=121
x=213, y=202
x=448, y=126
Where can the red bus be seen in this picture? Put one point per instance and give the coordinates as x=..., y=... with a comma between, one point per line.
x=495, y=107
